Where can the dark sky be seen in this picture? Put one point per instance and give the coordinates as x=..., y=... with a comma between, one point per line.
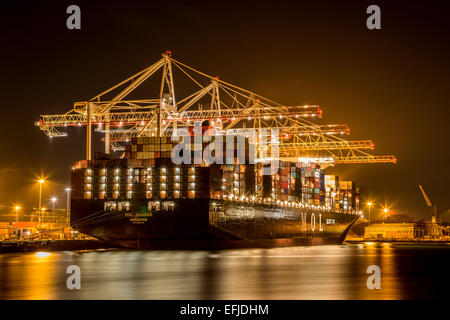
x=390, y=85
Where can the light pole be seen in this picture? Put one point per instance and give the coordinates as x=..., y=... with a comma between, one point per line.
x=369, y=204
x=53, y=213
x=385, y=212
x=67, y=205
x=41, y=181
x=17, y=213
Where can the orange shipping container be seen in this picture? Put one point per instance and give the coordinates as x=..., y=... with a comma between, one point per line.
x=21, y=225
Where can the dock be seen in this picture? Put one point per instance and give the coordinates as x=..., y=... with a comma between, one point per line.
x=50, y=245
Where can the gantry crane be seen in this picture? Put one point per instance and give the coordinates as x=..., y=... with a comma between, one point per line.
x=433, y=228
x=234, y=111
x=433, y=208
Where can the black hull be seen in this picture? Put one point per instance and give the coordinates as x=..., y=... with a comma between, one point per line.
x=217, y=244
x=210, y=224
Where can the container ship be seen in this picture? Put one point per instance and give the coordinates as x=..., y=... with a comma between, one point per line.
x=144, y=200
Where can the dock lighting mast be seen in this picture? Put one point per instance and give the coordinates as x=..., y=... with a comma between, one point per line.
x=53, y=213
x=41, y=181
x=17, y=213
x=369, y=204
x=67, y=205
x=88, y=131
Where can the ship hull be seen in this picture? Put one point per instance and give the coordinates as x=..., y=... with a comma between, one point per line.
x=209, y=224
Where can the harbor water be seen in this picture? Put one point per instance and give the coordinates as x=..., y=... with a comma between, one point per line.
x=408, y=271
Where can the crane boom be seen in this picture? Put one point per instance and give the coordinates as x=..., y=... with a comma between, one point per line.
x=232, y=109
x=427, y=200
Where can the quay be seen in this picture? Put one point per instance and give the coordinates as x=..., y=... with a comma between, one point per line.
x=12, y=246
x=400, y=241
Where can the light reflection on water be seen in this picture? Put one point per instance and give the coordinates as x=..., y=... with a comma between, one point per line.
x=320, y=272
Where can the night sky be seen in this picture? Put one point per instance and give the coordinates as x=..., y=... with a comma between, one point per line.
x=390, y=85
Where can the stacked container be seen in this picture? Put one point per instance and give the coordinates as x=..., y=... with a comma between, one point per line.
x=332, y=192
x=349, y=196
x=238, y=180
x=149, y=172
x=313, y=182
x=149, y=148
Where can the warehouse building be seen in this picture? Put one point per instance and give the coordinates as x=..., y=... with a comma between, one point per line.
x=394, y=231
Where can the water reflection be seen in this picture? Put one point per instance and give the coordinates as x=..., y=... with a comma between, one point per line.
x=322, y=272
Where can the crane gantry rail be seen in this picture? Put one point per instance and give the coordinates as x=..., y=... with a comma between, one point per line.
x=233, y=110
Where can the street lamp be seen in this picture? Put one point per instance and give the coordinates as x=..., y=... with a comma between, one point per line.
x=385, y=212
x=370, y=205
x=53, y=202
x=67, y=205
x=17, y=213
x=41, y=181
